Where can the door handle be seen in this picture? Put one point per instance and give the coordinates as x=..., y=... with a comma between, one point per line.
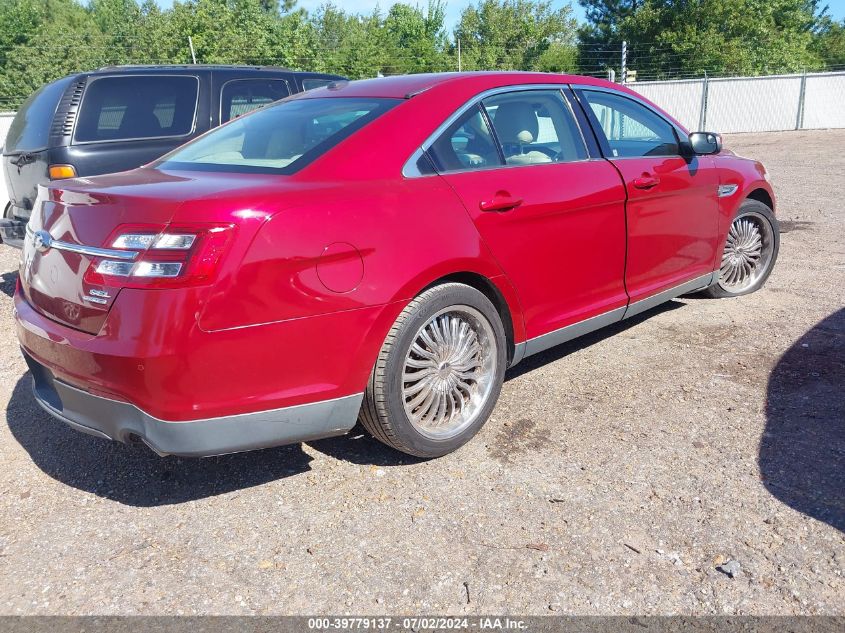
x=646, y=181
x=502, y=201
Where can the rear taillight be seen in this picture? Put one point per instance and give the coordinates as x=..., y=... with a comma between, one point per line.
x=172, y=256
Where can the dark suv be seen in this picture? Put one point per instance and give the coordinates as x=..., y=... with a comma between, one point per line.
x=119, y=118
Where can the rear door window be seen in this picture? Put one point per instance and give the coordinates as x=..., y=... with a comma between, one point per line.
x=535, y=127
x=240, y=96
x=467, y=144
x=137, y=107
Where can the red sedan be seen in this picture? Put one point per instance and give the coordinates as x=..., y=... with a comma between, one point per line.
x=380, y=250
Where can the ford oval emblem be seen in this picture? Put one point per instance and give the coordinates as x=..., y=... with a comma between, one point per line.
x=42, y=241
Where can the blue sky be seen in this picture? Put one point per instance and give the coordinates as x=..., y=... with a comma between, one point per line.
x=453, y=7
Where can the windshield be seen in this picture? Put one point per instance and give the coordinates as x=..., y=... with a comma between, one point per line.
x=278, y=139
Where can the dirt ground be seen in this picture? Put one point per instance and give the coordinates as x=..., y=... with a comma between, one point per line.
x=616, y=473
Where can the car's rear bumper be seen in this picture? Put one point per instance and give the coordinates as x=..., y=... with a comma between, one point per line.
x=151, y=353
x=121, y=421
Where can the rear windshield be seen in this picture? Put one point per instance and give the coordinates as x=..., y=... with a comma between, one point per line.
x=30, y=130
x=278, y=139
x=137, y=107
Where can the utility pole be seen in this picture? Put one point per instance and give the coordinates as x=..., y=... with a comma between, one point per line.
x=802, y=97
x=191, y=45
x=623, y=76
x=459, y=54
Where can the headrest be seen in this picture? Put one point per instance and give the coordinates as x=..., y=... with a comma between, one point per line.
x=516, y=122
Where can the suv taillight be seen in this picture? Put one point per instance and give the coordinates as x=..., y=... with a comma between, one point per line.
x=171, y=256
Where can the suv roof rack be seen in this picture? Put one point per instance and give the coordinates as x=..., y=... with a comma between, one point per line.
x=165, y=66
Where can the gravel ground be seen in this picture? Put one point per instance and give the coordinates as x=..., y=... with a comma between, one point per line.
x=616, y=474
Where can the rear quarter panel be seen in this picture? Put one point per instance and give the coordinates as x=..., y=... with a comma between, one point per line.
x=359, y=245
x=349, y=260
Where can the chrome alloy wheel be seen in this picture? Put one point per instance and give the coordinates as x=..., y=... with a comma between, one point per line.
x=748, y=252
x=449, y=372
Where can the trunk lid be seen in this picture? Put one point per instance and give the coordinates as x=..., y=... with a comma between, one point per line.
x=53, y=279
x=85, y=212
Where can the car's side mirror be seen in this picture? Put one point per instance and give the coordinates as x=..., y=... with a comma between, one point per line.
x=705, y=143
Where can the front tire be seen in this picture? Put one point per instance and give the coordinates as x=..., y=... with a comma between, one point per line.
x=439, y=372
x=751, y=250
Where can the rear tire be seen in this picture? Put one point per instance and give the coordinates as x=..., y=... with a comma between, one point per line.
x=751, y=250
x=439, y=373
x=7, y=215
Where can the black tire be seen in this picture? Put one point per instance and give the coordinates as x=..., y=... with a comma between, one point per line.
x=7, y=215
x=383, y=412
x=762, y=213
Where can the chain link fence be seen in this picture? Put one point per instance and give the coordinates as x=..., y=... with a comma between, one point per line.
x=805, y=101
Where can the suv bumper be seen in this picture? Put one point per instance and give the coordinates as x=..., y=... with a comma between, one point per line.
x=120, y=421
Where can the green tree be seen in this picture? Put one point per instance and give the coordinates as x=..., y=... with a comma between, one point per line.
x=829, y=44
x=19, y=21
x=680, y=37
x=417, y=39
x=517, y=35
x=221, y=31
x=347, y=43
x=119, y=22
x=65, y=38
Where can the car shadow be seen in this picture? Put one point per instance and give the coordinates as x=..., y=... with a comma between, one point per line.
x=802, y=451
x=556, y=353
x=133, y=474
x=359, y=447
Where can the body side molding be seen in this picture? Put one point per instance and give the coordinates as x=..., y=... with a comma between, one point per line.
x=699, y=283
x=575, y=330
x=564, y=334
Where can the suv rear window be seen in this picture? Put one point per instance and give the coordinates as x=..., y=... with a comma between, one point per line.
x=137, y=107
x=310, y=83
x=278, y=139
x=30, y=129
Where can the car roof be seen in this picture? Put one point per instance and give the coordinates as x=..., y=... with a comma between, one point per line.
x=458, y=87
x=407, y=86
